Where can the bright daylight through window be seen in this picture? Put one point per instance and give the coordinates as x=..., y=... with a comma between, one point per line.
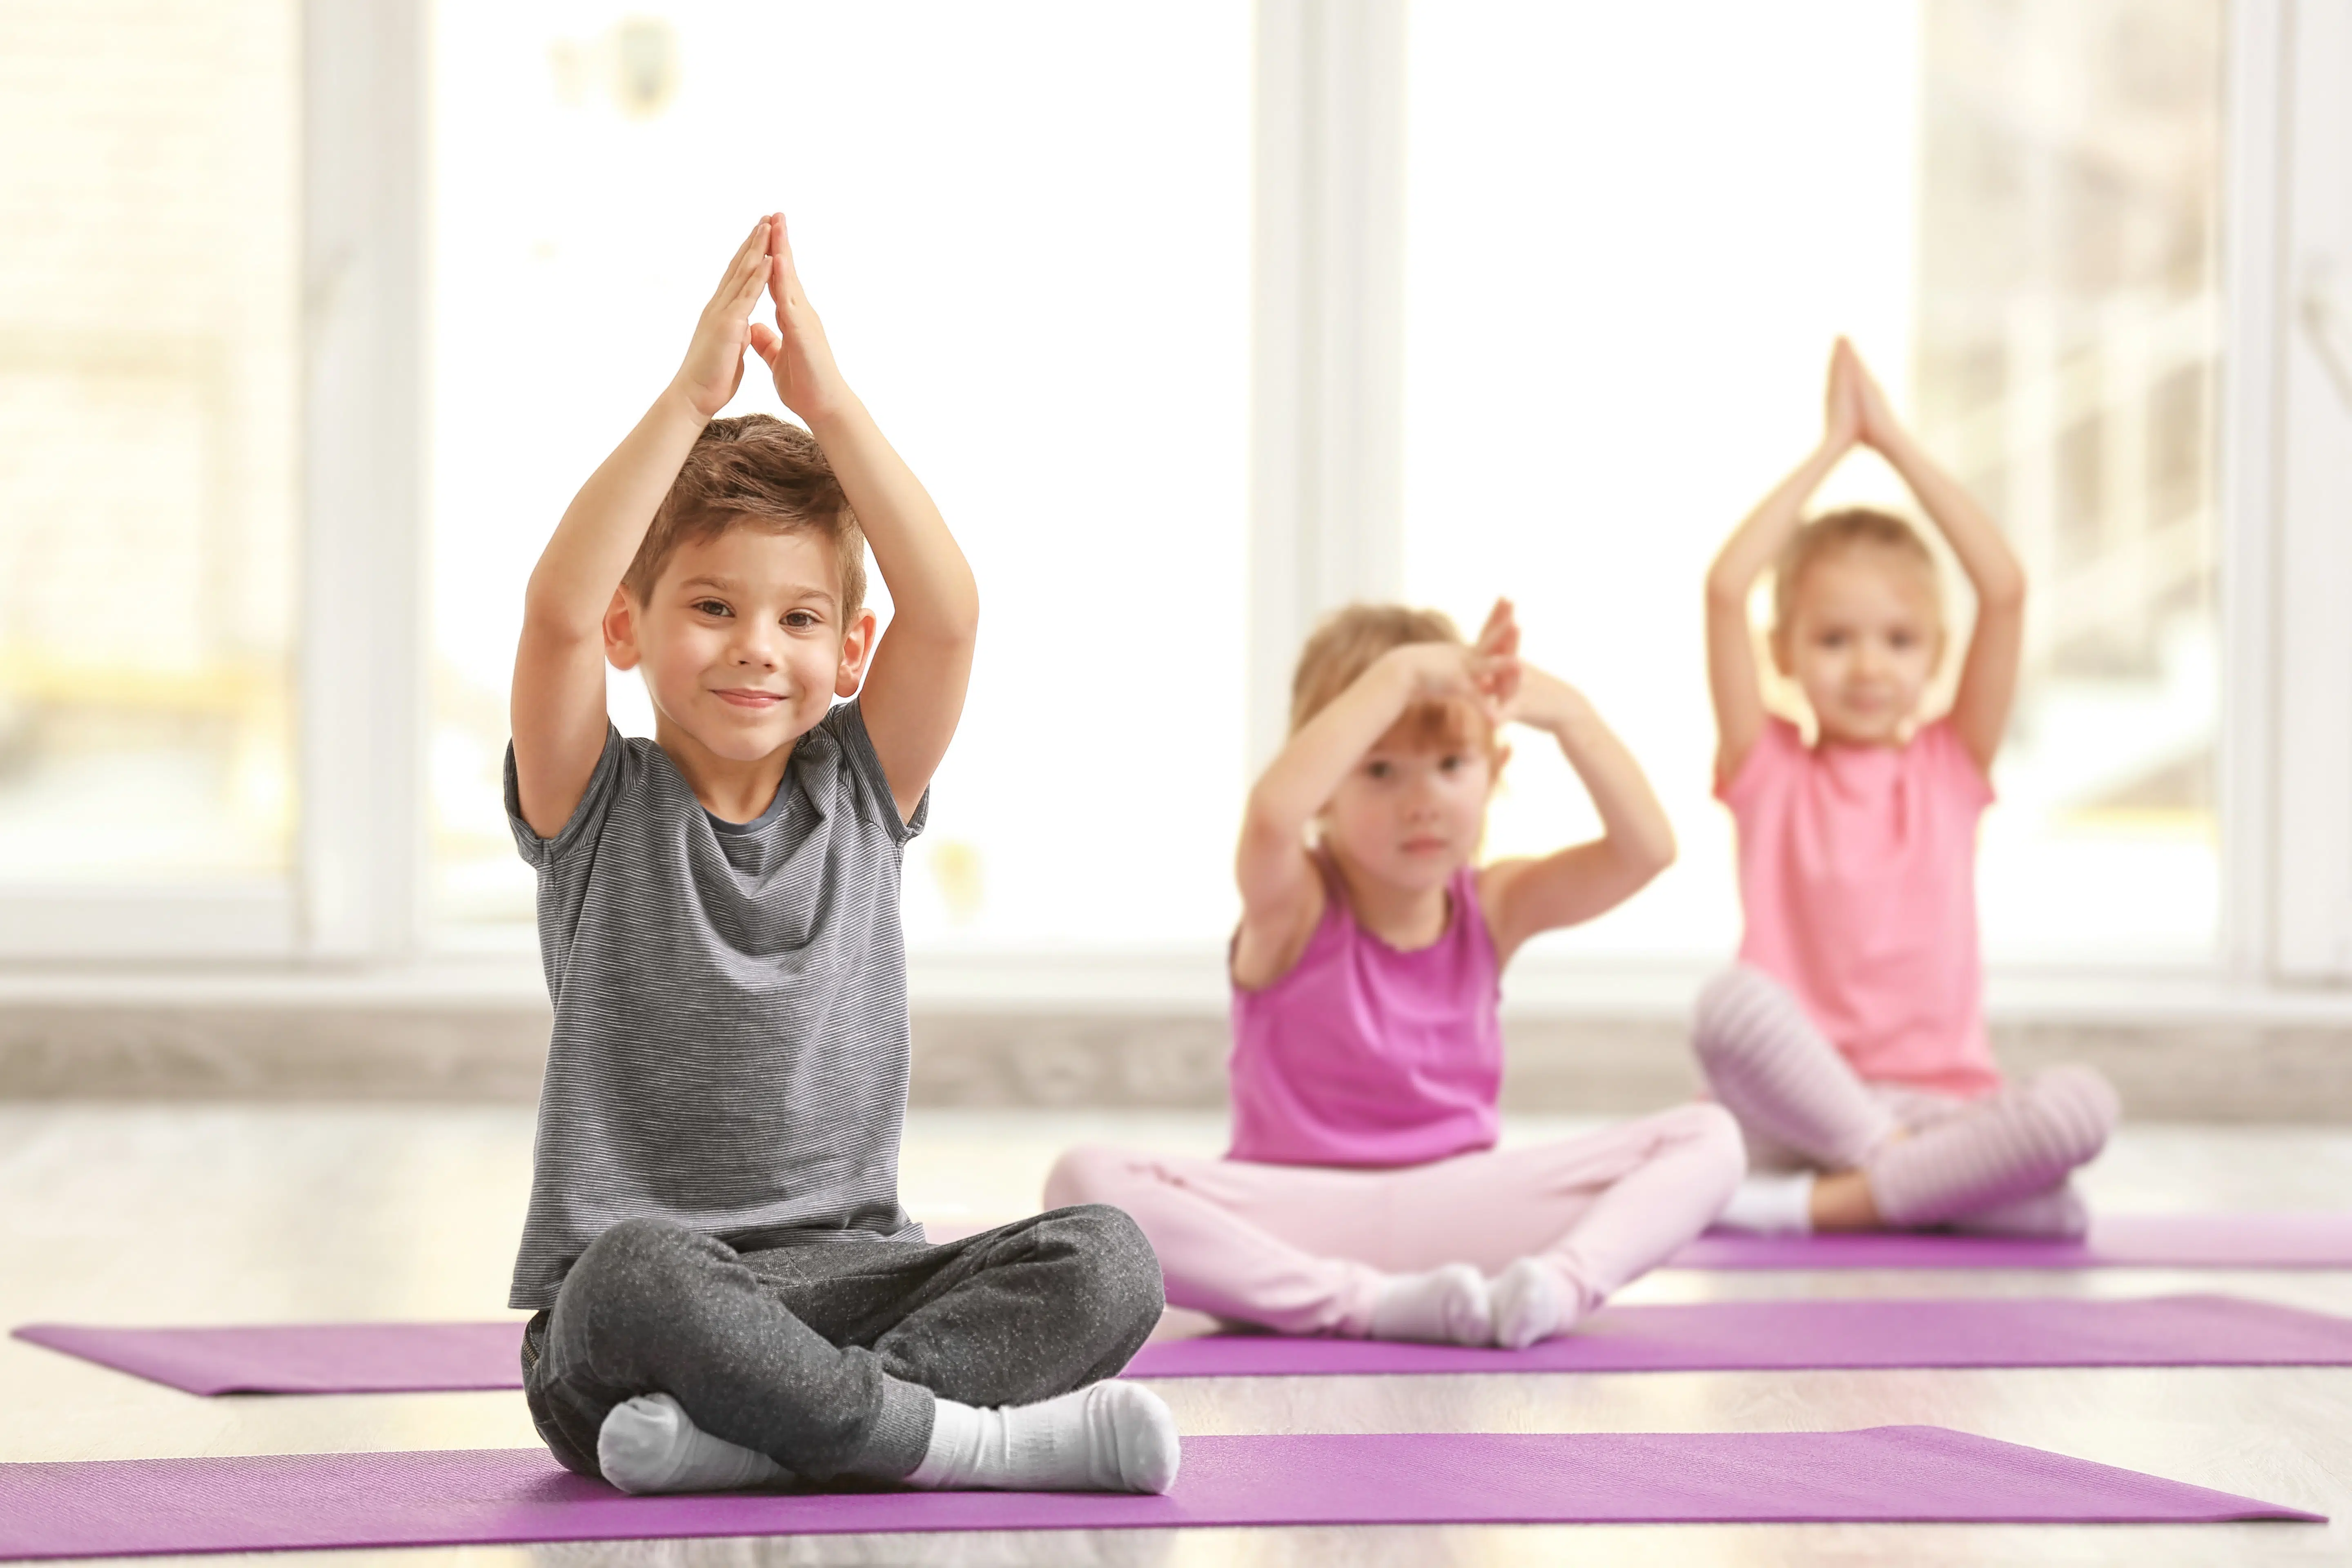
x=1028, y=231
x=148, y=435
x=2011, y=210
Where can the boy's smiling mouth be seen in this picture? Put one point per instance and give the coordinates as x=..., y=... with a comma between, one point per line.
x=748, y=696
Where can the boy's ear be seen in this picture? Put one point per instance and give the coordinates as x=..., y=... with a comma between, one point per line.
x=1783, y=654
x=621, y=650
x=1495, y=769
x=856, y=648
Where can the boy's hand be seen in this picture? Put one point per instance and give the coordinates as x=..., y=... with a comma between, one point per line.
x=714, y=360
x=1842, y=423
x=794, y=348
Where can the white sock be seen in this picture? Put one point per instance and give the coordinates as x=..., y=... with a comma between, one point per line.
x=648, y=1445
x=1107, y=1437
x=1447, y=1306
x=1531, y=1302
x=1774, y=1203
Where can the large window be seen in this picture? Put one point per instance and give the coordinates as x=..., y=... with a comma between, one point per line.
x=313, y=314
x=1028, y=231
x=148, y=434
x=1633, y=233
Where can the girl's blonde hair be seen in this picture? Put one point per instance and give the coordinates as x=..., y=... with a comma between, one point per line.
x=1351, y=641
x=1835, y=533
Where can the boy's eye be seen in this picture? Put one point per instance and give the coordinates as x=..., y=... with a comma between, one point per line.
x=800, y=620
x=1377, y=770
x=712, y=607
x=1450, y=764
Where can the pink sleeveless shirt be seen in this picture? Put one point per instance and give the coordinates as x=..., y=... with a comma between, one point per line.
x=1365, y=1056
x=1857, y=873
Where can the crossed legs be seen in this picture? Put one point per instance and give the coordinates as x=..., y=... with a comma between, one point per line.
x=1905, y=1161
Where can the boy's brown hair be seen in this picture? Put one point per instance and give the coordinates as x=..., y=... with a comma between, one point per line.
x=1835, y=532
x=1351, y=641
x=753, y=471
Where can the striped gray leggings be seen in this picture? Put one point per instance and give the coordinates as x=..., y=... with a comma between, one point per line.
x=1800, y=1105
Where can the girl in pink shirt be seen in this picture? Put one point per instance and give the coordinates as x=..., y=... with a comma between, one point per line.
x=1849, y=1040
x=1362, y=1194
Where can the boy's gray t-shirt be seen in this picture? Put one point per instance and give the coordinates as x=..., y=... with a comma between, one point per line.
x=730, y=1043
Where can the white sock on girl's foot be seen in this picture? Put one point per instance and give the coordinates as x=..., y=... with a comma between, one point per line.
x=1445, y=1306
x=1107, y=1437
x=1531, y=1302
x=648, y=1445
x=1771, y=1205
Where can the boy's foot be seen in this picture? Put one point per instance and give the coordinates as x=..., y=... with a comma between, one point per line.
x=1531, y=1302
x=648, y=1445
x=1107, y=1437
x=1445, y=1306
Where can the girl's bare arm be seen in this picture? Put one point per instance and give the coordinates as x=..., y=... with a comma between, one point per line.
x=1732, y=679
x=1988, y=670
x=1523, y=897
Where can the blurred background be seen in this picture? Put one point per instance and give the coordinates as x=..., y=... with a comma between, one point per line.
x=1058, y=247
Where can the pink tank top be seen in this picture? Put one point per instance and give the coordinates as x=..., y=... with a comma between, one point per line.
x=1365, y=1056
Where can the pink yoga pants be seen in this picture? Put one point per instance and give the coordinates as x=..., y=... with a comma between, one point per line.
x=1304, y=1248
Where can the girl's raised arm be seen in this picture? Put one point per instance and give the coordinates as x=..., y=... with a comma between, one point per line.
x=1522, y=898
x=1282, y=895
x=1996, y=648
x=1731, y=675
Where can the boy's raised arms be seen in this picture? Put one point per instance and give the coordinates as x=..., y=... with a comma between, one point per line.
x=914, y=693
x=558, y=696
x=1732, y=680
x=1988, y=683
x=1282, y=894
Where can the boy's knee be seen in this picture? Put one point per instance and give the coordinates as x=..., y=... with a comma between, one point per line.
x=634, y=1277
x=2075, y=1112
x=1111, y=1263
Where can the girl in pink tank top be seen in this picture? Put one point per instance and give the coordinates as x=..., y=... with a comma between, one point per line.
x=1850, y=1038
x=1362, y=1194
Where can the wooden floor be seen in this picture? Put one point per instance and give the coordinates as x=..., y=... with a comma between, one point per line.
x=167, y=1214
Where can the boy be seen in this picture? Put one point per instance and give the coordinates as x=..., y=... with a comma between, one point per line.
x=727, y=1292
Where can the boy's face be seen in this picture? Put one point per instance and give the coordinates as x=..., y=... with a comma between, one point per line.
x=1411, y=810
x=1863, y=643
x=743, y=641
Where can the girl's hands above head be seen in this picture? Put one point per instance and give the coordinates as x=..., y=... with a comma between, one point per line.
x=1880, y=428
x=796, y=348
x=1498, y=644
x=1841, y=423
x=713, y=368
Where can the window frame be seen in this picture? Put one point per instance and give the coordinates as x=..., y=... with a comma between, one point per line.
x=1326, y=499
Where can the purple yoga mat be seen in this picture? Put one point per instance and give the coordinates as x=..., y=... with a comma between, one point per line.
x=1988, y=1331
x=2318, y=1238
x=302, y=1358
x=485, y=1497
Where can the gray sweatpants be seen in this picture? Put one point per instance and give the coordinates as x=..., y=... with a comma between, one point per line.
x=826, y=1356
